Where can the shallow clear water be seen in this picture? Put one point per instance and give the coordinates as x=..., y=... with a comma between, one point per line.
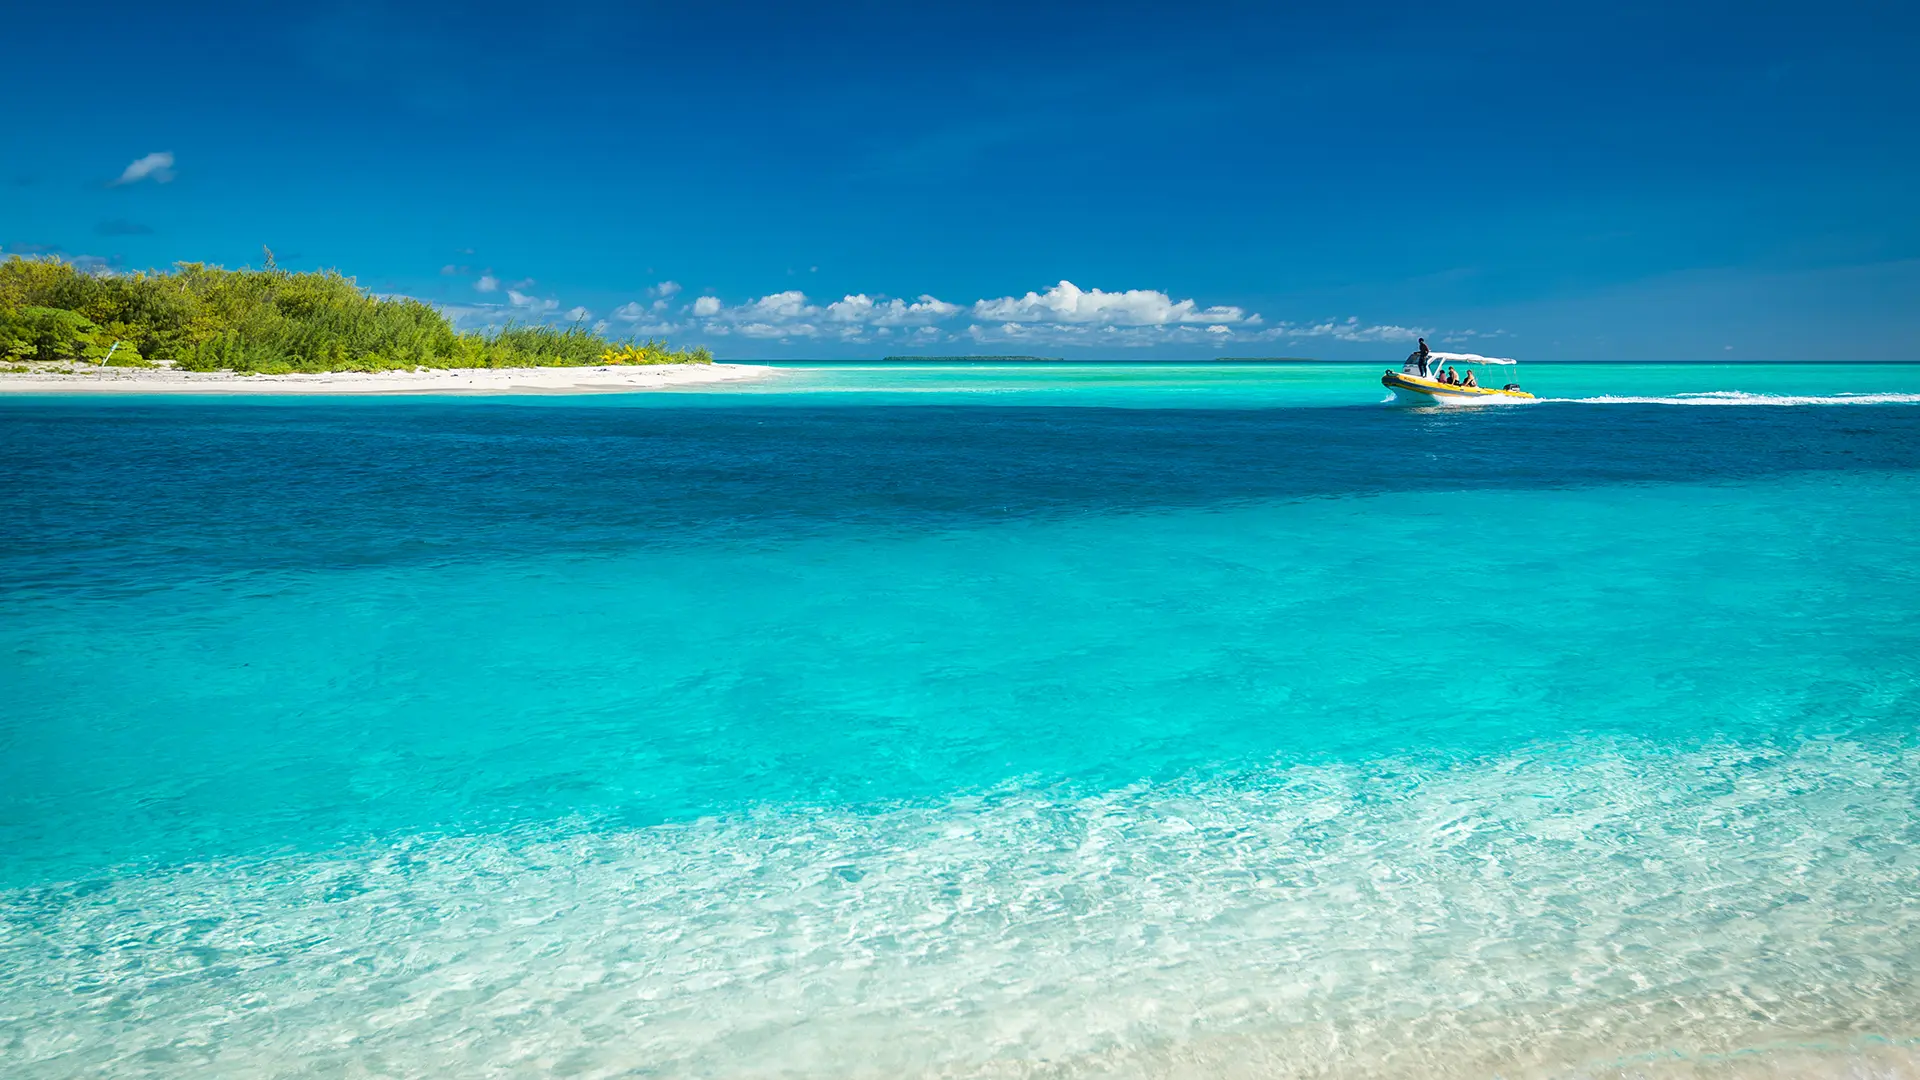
x=806, y=730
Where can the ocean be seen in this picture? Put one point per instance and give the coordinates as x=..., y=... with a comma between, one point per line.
x=997, y=720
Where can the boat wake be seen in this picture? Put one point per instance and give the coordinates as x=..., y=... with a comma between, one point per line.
x=1736, y=397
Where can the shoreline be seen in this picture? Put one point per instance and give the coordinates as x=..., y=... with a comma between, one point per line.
x=604, y=379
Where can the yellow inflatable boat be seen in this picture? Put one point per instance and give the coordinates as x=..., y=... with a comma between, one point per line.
x=1412, y=385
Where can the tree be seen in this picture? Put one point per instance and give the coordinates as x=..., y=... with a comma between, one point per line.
x=44, y=333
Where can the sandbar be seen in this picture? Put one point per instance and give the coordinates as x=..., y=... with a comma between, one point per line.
x=542, y=380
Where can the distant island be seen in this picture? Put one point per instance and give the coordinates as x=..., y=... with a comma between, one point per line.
x=1063, y=360
x=976, y=359
x=269, y=322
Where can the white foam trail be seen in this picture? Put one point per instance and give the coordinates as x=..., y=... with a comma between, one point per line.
x=1737, y=397
x=1599, y=908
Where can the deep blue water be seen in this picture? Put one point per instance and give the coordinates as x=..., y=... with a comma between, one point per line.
x=186, y=490
x=298, y=695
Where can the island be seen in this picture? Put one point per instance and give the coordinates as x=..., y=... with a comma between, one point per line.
x=1104, y=360
x=270, y=322
x=200, y=328
x=972, y=359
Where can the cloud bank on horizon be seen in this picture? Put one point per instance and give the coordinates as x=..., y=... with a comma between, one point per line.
x=1063, y=315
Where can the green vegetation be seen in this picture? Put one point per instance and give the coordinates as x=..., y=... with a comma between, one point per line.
x=204, y=318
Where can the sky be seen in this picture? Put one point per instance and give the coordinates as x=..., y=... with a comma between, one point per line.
x=1674, y=181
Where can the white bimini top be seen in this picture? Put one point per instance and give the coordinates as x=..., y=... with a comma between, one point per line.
x=1435, y=359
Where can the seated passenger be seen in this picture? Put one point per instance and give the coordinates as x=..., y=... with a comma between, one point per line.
x=1449, y=377
x=1468, y=381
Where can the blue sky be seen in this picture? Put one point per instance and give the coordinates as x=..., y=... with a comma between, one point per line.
x=1662, y=181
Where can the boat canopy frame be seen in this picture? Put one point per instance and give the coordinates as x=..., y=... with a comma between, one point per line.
x=1437, y=360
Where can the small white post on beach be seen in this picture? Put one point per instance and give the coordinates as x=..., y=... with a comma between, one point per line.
x=109, y=356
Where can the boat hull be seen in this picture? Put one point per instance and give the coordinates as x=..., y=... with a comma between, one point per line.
x=1414, y=390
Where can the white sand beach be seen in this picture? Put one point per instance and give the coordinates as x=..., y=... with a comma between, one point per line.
x=543, y=380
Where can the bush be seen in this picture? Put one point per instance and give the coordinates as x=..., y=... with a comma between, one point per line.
x=126, y=356
x=653, y=352
x=46, y=333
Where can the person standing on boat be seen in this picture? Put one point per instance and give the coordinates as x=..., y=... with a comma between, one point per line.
x=1424, y=353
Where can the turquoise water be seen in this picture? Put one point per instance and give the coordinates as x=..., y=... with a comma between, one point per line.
x=1292, y=385
x=1087, y=720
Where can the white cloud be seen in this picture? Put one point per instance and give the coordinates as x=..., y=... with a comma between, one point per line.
x=1289, y=330
x=1352, y=329
x=768, y=330
x=1064, y=315
x=578, y=314
x=1083, y=335
x=487, y=283
x=632, y=311
x=791, y=304
x=156, y=167
x=660, y=328
x=474, y=316
x=792, y=314
x=861, y=308
x=1068, y=303
x=531, y=306
x=853, y=308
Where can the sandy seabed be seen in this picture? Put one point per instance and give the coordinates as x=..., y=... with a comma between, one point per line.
x=543, y=380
